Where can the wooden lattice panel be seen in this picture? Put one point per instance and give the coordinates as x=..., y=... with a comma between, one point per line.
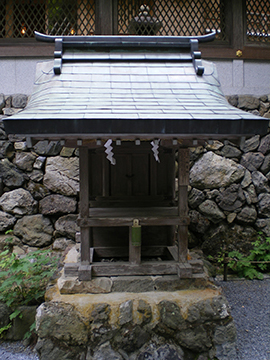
x=258, y=20
x=177, y=17
x=20, y=18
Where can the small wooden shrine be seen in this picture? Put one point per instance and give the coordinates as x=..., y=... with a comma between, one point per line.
x=133, y=105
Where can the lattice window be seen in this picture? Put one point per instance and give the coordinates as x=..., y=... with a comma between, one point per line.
x=258, y=20
x=171, y=17
x=20, y=18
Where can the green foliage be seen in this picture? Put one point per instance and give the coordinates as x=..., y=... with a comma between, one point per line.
x=253, y=265
x=23, y=280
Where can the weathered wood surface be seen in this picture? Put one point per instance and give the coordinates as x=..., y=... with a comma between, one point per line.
x=85, y=272
x=184, y=271
x=133, y=211
x=84, y=204
x=183, y=181
x=144, y=268
x=190, y=269
x=134, y=251
x=128, y=221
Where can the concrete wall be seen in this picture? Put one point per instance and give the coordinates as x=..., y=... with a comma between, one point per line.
x=236, y=76
x=244, y=77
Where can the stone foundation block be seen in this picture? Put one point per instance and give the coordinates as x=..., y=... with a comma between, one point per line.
x=163, y=325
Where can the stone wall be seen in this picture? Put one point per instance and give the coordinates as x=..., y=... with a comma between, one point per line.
x=181, y=325
x=228, y=197
x=229, y=188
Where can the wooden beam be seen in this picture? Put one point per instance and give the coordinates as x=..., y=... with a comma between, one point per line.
x=190, y=269
x=127, y=221
x=147, y=268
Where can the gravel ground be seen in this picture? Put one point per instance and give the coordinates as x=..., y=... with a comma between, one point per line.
x=15, y=350
x=250, y=306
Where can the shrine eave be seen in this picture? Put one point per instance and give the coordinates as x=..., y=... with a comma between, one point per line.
x=128, y=87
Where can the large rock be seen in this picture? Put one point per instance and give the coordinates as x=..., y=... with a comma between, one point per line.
x=19, y=100
x=164, y=352
x=195, y=198
x=265, y=145
x=2, y=101
x=264, y=205
x=36, y=175
x=231, y=198
x=18, y=202
x=9, y=240
x=224, y=338
x=210, y=209
x=248, y=102
x=62, y=175
x=252, y=161
x=196, y=339
x=48, y=350
x=6, y=149
x=38, y=191
x=24, y=160
x=4, y=314
x=260, y=182
x=251, y=144
x=21, y=324
x=35, y=230
x=251, y=195
x=263, y=225
x=70, y=285
x=230, y=151
x=57, y=205
x=67, y=226
x=44, y=147
x=11, y=176
x=171, y=316
x=106, y=352
x=212, y=171
x=247, y=215
x=198, y=222
x=265, y=168
x=40, y=162
x=6, y=221
x=246, y=180
x=61, y=322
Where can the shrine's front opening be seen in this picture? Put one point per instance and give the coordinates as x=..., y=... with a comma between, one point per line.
x=131, y=211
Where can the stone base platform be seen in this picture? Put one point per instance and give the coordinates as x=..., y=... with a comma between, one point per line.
x=161, y=325
x=69, y=282
x=134, y=317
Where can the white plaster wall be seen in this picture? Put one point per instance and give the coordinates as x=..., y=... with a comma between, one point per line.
x=244, y=77
x=17, y=75
x=236, y=76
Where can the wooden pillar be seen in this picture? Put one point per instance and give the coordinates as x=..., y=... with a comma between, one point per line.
x=85, y=268
x=104, y=17
x=183, y=181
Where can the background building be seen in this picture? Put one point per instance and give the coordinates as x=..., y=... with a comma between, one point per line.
x=241, y=50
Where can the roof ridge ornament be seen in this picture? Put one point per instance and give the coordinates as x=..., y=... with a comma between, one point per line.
x=112, y=42
x=196, y=57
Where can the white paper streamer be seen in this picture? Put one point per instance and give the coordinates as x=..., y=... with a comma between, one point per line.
x=109, y=152
x=155, y=146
